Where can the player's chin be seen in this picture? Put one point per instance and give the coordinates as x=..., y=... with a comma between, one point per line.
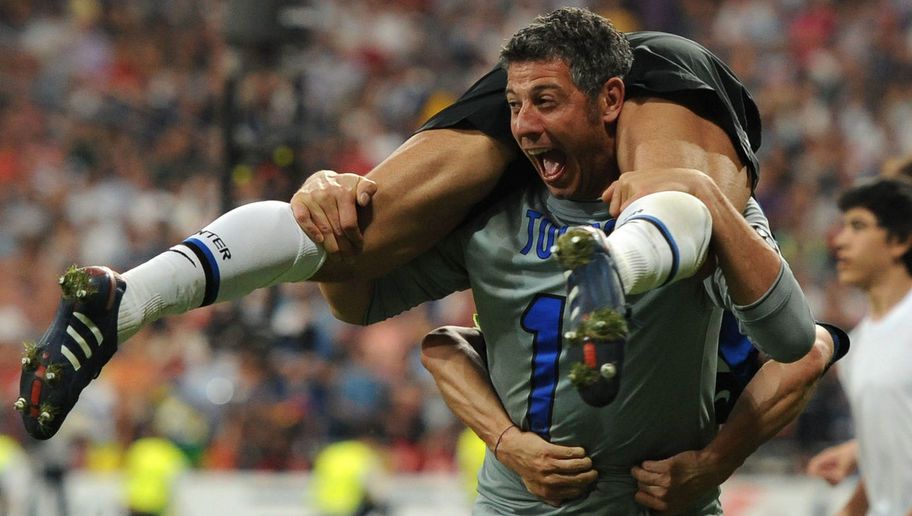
x=846, y=275
x=562, y=190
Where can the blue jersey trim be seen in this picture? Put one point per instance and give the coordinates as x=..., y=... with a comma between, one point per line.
x=736, y=349
x=210, y=269
x=543, y=318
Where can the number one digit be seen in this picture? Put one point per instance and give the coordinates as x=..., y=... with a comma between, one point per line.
x=543, y=318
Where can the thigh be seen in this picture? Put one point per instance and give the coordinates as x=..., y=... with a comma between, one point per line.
x=655, y=133
x=424, y=190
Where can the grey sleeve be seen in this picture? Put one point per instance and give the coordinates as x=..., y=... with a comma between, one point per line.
x=432, y=275
x=780, y=323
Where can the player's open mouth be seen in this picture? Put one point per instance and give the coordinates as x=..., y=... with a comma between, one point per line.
x=549, y=162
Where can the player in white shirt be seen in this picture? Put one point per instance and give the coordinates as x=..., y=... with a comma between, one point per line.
x=874, y=253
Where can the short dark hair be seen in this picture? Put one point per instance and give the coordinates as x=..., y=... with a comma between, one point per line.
x=890, y=200
x=594, y=50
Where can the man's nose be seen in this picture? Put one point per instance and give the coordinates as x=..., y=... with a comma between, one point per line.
x=839, y=239
x=526, y=124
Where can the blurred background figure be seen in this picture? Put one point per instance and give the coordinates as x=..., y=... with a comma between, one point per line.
x=152, y=465
x=470, y=452
x=14, y=477
x=348, y=476
x=874, y=254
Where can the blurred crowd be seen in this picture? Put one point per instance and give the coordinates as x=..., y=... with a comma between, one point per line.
x=113, y=147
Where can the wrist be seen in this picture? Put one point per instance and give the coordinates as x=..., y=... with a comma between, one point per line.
x=721, y=464
x=498, y=444
x=706, y=189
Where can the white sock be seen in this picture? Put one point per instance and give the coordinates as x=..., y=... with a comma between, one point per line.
x=254, y=246
x=660, y=238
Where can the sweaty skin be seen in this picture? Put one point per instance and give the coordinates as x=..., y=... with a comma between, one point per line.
x=552, y=472
x=427, y=187
x=424, y=190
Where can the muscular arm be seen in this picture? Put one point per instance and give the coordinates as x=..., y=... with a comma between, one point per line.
x=424, y=190
x=551, y=472
x=660, y=135
x=656, y=134
x=451, y=354
x=432, y=275
x=770, y=401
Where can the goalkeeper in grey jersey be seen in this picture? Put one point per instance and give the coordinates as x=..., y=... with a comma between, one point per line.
x=565, y=127
x=664, y=406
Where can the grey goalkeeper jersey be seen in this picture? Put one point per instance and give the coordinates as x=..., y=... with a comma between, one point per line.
x=666, y=397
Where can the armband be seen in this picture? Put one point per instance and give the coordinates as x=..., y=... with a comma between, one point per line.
x=841, y=342
x=780, y=323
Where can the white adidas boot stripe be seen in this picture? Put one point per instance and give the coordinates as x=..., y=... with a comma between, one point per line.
x=81, y=341
x=71, y=357
x=91, y=326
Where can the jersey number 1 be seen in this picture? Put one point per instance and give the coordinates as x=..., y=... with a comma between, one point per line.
x=543, y=319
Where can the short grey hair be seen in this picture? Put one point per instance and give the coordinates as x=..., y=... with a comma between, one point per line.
x=591, y=46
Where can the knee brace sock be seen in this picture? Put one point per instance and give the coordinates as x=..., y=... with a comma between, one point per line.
x=660, y=238
x=256, y=245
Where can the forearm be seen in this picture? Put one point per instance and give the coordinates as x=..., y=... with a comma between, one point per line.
x=655, y=134
x=760, y=288
x=424, y=190
x=464, y=383
x=749, y=264
x=770, y=401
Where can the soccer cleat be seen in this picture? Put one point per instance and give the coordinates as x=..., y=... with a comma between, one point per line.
x=598, y=315
x=30, y=357
x=79, y=342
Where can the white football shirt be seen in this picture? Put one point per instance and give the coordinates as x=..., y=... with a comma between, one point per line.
x=877, y=377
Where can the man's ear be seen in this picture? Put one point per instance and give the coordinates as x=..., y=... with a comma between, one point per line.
x=612, y=99
x=899, y=246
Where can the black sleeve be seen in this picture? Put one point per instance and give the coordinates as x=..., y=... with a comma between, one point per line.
x=684, y=72
x=482, y=107
x=738, y=362
x=841, y=342
x=664, y=66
